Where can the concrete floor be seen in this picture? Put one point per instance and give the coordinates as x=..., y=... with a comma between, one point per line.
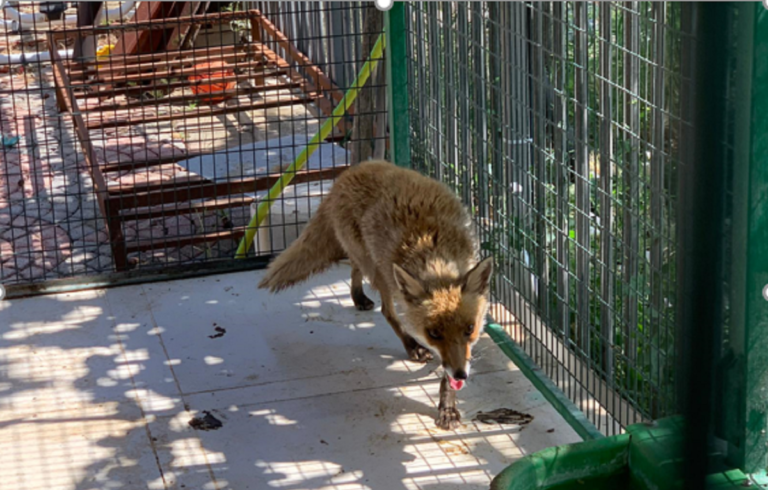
x=97, y=390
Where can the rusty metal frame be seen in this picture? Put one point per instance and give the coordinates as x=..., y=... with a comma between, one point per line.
x=74, y=80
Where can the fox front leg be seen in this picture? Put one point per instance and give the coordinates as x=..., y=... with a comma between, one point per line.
x=448, y=416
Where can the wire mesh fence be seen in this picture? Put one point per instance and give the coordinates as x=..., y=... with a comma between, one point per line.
x=560, y=126
x=142, y=135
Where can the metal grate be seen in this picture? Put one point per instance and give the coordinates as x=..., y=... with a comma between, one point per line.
x=127, y=159
x=560, y=126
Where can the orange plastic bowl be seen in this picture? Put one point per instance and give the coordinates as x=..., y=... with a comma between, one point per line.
x=212, y=71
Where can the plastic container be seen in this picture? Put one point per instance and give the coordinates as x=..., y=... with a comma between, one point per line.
x=212, y=71
x=645, y=457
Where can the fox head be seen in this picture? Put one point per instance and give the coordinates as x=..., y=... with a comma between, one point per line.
x=447, y=317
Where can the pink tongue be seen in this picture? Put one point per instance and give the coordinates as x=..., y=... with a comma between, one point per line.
x=456, y=384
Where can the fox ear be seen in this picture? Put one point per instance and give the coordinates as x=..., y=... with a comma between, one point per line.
x=411, y=288
x=478, y=279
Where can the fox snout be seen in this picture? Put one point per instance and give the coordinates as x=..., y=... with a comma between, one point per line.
x=456, y=365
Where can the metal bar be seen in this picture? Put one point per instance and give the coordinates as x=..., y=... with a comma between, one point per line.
x=436, y=98
x=539, y=157
x=606, y=187
x=699, y=231
x=449, y=120
x=397, y=86
x=562, y=181
x=657, y=184
x=465, y=139
x=630, y=176
x=582, y=180
x=480, y=106
x=380, y=135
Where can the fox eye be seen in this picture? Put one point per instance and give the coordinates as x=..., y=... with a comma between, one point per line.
x=435, y=335
x=470, y=330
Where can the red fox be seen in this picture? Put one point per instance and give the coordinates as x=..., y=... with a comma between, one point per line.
x=414, y=241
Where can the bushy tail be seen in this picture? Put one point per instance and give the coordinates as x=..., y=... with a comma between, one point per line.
x=315, y=250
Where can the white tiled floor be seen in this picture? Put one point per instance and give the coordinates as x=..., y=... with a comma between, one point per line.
x=97, y=389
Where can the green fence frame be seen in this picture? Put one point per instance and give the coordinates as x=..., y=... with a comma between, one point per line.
x=745, y=416
x=397, y=86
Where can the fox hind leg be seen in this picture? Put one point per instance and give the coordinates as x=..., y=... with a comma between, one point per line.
x=362, y=302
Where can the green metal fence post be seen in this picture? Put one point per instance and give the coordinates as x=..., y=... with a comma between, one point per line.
x=700, y=239
x=397, y=85
x=746, y=411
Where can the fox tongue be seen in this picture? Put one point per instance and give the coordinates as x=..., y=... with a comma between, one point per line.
x=456, y=384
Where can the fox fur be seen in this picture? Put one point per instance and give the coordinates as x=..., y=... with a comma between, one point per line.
x=414, y=241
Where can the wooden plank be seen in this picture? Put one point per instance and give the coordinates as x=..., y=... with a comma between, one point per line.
x=322, y=103
x=120, y=66
x=166, y=241
x=319, y=78
x=363, y=124
x=137, y=25
x=170, y=73
x=186, y=208
x=173, y=193
x=118, y=188
x=134, y=59
x=148, y=162
x=194, y=29
x=179, y=32
x=85, y=46
x=180, y=99
x=256, y=78
x=145, y=40
x=98, y=123
x=99, y=184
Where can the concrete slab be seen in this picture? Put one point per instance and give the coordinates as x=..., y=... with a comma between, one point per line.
x=97, y=390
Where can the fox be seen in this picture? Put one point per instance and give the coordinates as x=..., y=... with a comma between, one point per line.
x=414, y=241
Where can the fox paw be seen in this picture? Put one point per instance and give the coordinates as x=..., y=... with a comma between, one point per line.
x=419, y=354
x=448, y=418
x=363, y=303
